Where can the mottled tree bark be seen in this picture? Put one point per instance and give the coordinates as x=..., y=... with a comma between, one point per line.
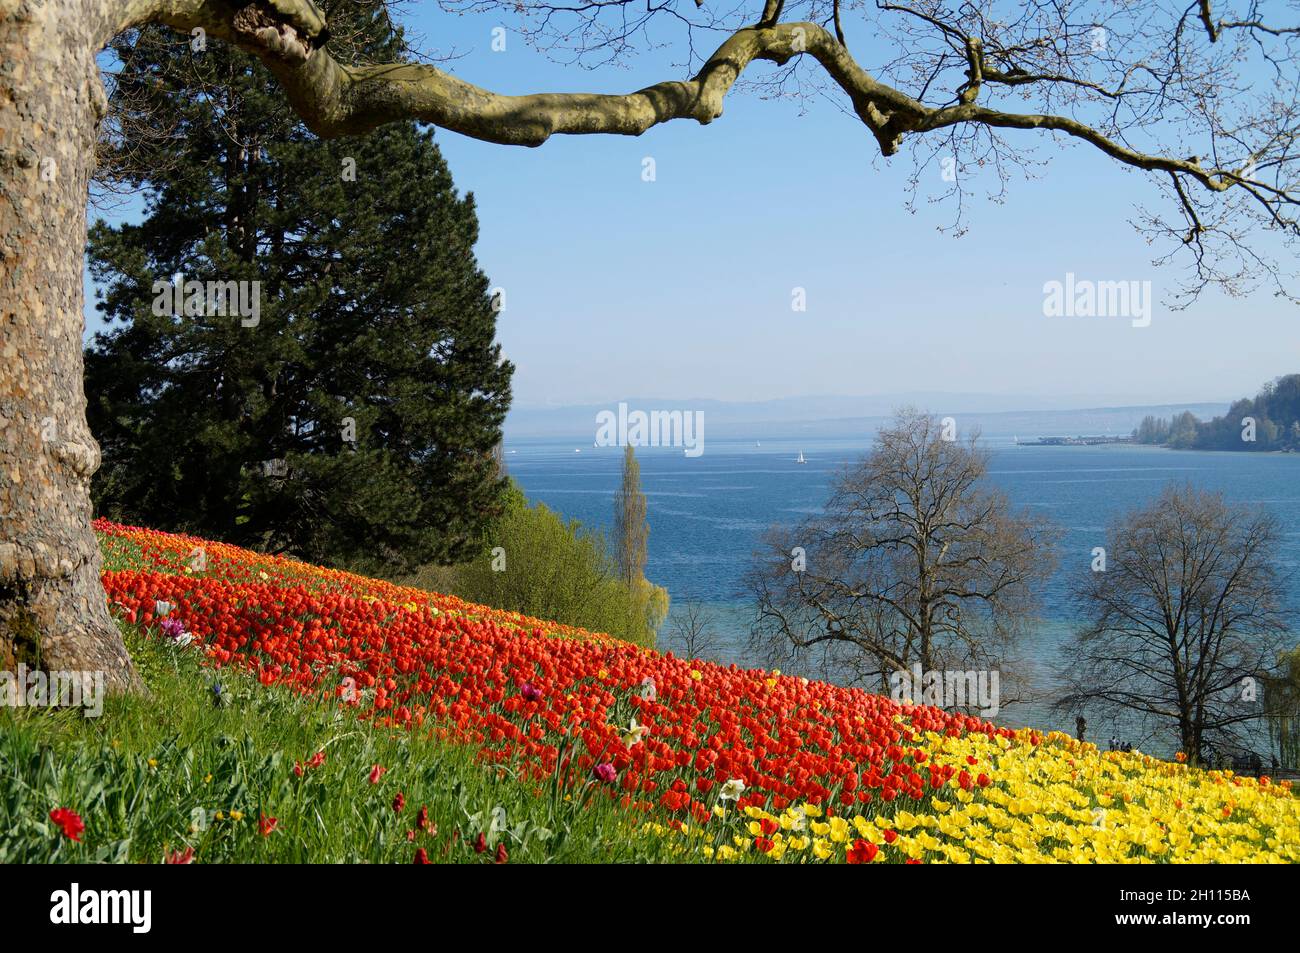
x=53, y=612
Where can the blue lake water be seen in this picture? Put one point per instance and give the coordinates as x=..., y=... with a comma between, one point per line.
x=708, y=513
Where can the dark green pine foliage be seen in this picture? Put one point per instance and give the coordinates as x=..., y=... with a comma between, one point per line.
x=374, y=319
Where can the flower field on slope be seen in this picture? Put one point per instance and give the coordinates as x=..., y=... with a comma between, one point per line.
x=723, y=763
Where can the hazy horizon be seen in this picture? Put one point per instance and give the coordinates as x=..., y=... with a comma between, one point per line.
x=834, y=418
x=1025, y=402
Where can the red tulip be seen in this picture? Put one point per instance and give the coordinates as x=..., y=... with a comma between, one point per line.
x=69, y=821
x=862, y=852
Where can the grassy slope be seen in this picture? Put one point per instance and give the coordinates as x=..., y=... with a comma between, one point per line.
x=150, y=776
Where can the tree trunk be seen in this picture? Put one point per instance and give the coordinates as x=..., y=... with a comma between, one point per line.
x=1190, y=739
x=53, y=612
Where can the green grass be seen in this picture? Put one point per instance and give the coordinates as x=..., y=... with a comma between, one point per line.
x=163, y=773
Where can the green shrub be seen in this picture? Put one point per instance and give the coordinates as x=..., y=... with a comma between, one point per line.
x=533, y=561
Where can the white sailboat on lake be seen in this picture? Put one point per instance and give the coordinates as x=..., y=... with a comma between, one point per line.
x=801, y=459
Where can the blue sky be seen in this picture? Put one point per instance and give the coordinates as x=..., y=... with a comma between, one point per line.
x=681, y=287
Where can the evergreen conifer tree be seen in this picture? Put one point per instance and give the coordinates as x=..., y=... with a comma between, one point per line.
x=352, y=419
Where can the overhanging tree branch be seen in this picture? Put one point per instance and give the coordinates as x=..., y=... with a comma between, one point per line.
x=336, y=98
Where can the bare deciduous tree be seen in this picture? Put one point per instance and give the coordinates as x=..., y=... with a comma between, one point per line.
x=1198, y=96
x=914, y=561
x=692, y=631
x=1186, y=622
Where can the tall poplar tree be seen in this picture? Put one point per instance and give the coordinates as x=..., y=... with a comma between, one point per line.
x=649, y=603
x=631, y=531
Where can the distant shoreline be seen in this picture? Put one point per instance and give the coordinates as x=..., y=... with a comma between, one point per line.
x=1130, y=442
x=1080, y=441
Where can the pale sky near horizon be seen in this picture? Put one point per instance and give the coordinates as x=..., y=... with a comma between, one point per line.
x=682, y=287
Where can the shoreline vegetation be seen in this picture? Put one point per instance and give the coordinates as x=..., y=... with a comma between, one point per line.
x=1269, y=422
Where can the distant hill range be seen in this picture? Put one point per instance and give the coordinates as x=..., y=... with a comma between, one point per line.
x=997, y=417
